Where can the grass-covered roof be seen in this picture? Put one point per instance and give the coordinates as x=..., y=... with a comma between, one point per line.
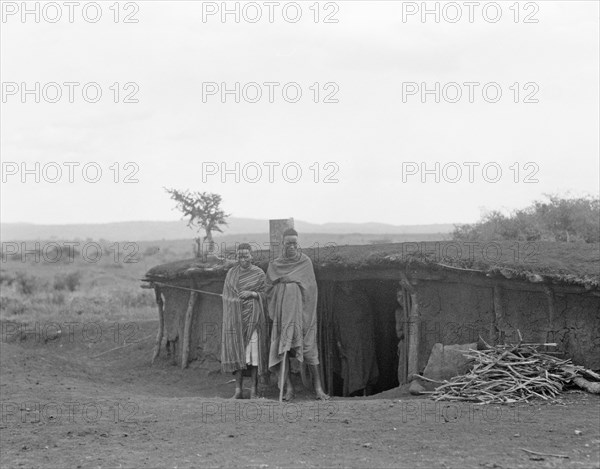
x=569, y=263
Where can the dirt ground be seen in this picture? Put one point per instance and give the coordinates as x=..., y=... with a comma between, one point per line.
x=63, y=405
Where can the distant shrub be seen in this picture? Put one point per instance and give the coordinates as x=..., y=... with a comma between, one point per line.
x=381, y=241
x=93, y=305
x=63, y=254
x=560, y=219
x=133, y=299
x=15, y=256
x=57, y=298
x=133, y=259
x=68, y=281
x=151, y=251
x=167, y=251
x=12, y=306
x=8, y=279
x=26, y=284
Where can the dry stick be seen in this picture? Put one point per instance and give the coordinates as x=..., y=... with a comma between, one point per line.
x=122, y=346
x=543, y=344
x=545, y=454
x=282, y=377
x=428, y=379
x=512, y=373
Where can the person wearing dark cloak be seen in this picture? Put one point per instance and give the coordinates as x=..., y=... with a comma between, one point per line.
x=292, y=305
x=244, y=341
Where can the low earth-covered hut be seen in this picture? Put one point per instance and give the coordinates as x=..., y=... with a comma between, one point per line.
x=382, y=308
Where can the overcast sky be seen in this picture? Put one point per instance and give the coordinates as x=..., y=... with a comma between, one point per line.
x=372, y=141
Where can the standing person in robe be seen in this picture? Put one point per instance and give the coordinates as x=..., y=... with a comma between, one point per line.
x=244, y=335
x=292, y=305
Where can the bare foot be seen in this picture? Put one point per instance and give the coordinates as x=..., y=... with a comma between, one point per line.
x=321, y=396
x=238, y=394
x=289, y=395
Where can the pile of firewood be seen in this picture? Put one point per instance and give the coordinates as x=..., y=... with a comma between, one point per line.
x=515, y=373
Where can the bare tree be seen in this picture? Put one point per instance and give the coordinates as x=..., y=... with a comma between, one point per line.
x=203, y=212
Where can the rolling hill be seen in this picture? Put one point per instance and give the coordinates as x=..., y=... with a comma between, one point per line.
x=167, y=230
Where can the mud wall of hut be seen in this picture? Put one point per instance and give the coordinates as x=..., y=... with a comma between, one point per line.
x=574, y=322
x=451, y=313
x=455, y=313
x=205, y=337
x=448, y=313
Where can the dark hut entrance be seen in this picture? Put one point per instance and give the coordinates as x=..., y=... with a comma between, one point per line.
x=360, y=342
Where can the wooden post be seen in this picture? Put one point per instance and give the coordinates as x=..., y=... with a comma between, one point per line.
x=551, y=312
x=187, y=328
x=402, y=334
x=413, y=327
x=497, y=330
x=551, y=304
x=276, y=229
x=161, y=323
x=414, y=330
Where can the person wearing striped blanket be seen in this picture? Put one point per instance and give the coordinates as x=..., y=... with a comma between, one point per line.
x=244, y=343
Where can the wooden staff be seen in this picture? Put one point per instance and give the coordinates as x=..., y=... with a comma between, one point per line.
x=282, y=377
x=161, y=323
